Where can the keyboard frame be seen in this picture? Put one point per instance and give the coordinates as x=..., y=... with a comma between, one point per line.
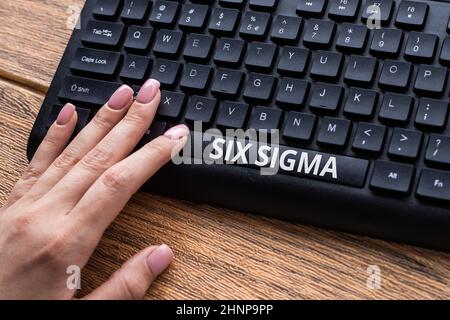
x=349, y=209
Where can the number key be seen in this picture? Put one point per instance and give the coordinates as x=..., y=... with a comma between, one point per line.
x=319, y=33
x=223, y=21
x=255, y=25
x=386, y=43
x=352, y=38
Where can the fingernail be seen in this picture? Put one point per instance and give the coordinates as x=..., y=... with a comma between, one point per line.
x=177, y=132
x=159, y=259
x=65, y=114
x=148, y=91
x=121, y=98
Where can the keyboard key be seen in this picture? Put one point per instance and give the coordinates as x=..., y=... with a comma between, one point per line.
x=432, y=114
x=444, y=57
x=325, y=98
x=395, y=75
x=434, y=184
x=405, y=144
x=421, y=47
x=96, y=62
x=334, y=132
x=292, y=92
x=286, y=30
x=96, y=92
x=157, y=128
x=83, y=117
x=198, y=47
x=369, y=138
x=138, y=39
x=263, y=5
x=352, y=38
x=438, y=150
x=326, y=66
x=261, y=56
x=232, y=115
x=390, y=176
x=195, y=77
x=293, y=61
x=430, y=81
x=232, y=3
x=319, y=33
x=164, y=13
x=360, y=70
x=135, y=68
x=344, y=10
x=360, y=103
x=106, y=34
x=168, y=43
x=166, y=72
x=377, y=9
x=224, y=21
x=308, y=8
x=411, y=15
x=135, y=11
x=171, y=104
x=396, y=108
x=386, y=43
x=259, y=88
x=229, y=52
x=107, y=9
x=265, y=118
x=193, y=17
x=200, y=109
x=227, y=82
x=254, y=25
x=299, y=126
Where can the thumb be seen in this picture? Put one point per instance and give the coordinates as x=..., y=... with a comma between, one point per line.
x=133, y=279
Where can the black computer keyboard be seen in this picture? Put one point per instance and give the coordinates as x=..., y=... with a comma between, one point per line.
x=362, y=112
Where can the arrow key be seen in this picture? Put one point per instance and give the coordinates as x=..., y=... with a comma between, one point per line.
x=405, y=144
x=369, y=138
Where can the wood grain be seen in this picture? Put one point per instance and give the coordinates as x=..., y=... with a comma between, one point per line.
x=219, y=253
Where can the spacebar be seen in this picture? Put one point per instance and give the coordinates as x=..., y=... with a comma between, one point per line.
x=76, y=89
x=275, y=159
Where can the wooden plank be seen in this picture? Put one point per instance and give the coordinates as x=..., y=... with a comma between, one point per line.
x=219, y=253
x=34, y=35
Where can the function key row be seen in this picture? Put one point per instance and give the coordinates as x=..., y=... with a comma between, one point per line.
x=410, y=14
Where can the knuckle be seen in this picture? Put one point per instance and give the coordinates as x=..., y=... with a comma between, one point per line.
x=31, y=173
x=115, y=179
x=136, y=119
x=132, y=289
x=103, y=120
x=21, y=225
x=67, y=159
x=54, y=248
x=157, y=149
x=97, y=159
x=52, y=141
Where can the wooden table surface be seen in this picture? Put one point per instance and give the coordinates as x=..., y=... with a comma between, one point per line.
x=219, y=254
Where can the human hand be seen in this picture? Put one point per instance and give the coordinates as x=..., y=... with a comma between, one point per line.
x=67, y=197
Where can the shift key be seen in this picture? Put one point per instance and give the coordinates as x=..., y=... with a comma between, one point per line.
x=76, y=89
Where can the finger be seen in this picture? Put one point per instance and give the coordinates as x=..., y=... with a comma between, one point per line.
x=133, y=279
x=105, y=119
x=51, y=147
x=117, y=144
x=109, y=194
